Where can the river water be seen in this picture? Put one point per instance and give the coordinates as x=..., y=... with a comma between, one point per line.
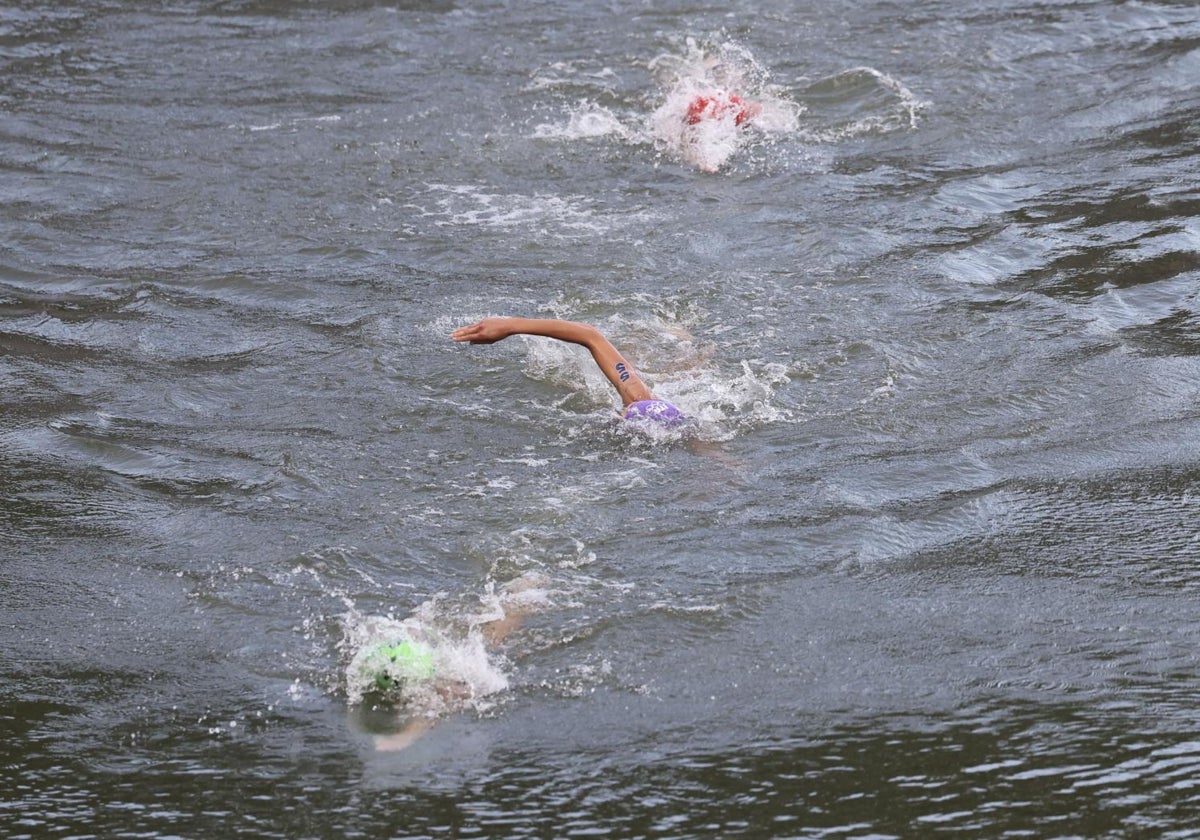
x=926, y=564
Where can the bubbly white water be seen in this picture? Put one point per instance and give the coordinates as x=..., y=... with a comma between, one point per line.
x=716, y=72
x=468, y=669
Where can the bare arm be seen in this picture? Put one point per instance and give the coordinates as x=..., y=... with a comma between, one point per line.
x=610, y=361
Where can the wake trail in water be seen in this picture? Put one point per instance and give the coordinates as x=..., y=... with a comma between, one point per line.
x=715, y=100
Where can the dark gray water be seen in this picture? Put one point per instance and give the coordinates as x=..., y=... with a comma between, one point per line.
x=929, y=566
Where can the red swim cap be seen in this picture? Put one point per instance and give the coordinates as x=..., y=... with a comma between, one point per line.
x=718, y=105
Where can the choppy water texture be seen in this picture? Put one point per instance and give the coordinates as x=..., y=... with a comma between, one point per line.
x=927, y=567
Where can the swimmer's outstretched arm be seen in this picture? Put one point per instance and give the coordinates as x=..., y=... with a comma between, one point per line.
x=612, y=364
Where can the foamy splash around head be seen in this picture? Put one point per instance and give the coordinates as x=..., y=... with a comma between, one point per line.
x=458, y=635
x=463, y=671
x=716, y=98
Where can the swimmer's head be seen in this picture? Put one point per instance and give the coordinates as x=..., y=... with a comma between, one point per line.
x=720, y=105
x=391, y=665
x=655, y=412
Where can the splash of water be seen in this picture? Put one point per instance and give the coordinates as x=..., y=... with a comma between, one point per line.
x=584, y=121
x=716, y=96
x=464, y=671
x=716, y=100
x=459, y=635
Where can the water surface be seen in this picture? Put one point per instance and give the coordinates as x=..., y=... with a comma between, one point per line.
x=927, y=567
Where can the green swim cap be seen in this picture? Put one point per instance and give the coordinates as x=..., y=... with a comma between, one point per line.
x=400, y=662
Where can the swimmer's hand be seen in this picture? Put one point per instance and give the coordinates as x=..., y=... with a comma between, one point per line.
x=406, y=737
x=487, y=331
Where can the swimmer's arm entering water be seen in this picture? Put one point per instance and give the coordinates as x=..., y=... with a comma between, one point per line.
x=610, y=361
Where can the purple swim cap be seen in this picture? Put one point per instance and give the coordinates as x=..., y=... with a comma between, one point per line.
x=659, y=412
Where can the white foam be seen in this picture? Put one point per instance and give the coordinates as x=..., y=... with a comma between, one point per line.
x=460, y=661
x=717, y=72
x=678, y=368
x=584, y=120
x=467, y=672
x=854, y=102
x=726, y=404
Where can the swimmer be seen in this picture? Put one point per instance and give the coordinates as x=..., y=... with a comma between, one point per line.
x=406, y=670
x=706, y=124
x=640, y=406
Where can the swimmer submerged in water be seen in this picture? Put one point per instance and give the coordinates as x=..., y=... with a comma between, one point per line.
x=407, y=667
x=639, y=403
x=718, y=104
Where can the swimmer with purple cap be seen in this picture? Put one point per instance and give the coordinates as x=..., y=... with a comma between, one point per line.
x=640, y=405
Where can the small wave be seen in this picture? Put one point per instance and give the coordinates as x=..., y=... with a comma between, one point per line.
x=856, y=102
x=566, y=74
x=292, y=123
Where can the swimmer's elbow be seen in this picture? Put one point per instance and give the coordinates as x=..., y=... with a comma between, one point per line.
x=586, y=334
x=592, y=335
